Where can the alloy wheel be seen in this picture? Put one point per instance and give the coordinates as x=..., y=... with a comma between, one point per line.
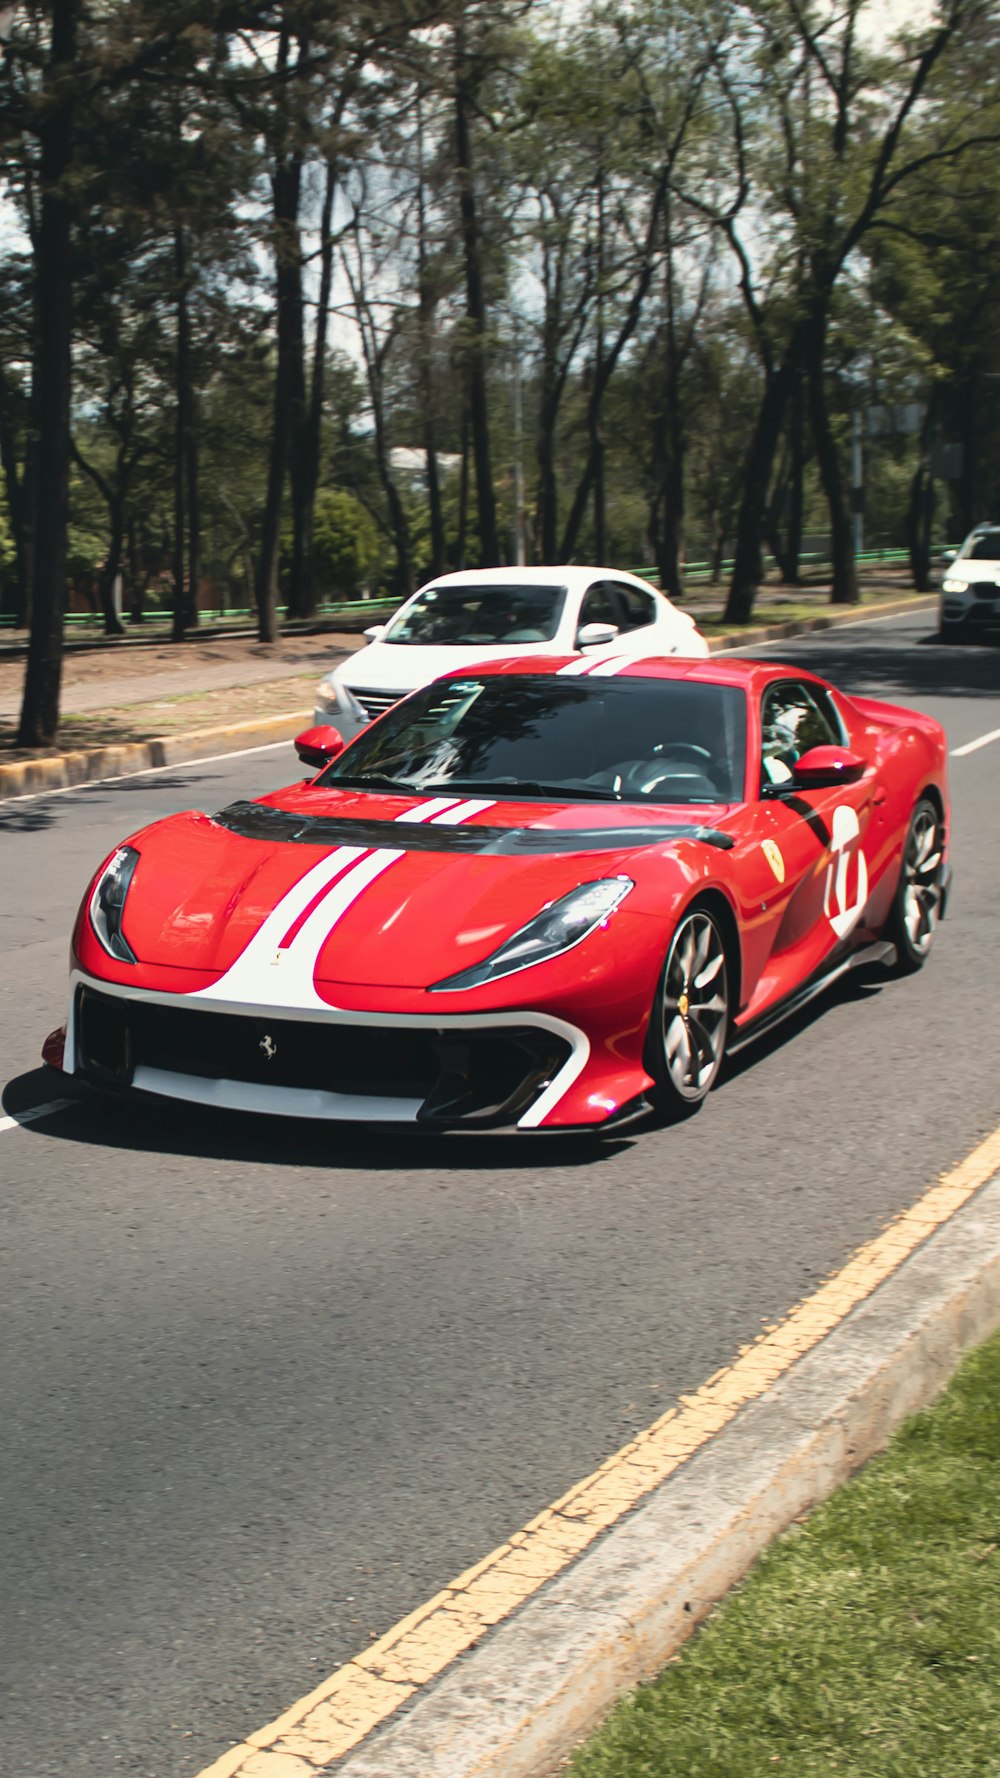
x=695, y=1007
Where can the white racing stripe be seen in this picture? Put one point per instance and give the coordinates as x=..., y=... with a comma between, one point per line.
x=974, y=746
x=278, y=966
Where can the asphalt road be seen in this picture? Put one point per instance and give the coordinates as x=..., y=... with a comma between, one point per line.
x=266, y=1388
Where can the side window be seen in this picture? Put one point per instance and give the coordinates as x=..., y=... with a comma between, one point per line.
x=637, y=609
x=600, y=606
x=793, y=719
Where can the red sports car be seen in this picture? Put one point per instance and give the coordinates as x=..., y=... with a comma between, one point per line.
x=550, y=894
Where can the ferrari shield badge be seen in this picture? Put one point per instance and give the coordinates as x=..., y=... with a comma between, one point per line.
x=772, y=852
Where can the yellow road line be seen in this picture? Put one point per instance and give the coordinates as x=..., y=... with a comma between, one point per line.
x=353, y=1701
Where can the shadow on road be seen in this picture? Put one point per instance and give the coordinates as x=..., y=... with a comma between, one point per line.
x=153, y=1127
x=882, y=669
x=158, y=1127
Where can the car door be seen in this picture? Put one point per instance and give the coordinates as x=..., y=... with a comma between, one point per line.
x=817, y=842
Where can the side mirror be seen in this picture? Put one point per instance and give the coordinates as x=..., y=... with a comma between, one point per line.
x=595, y=635
x=948, y=555
x=375, y=632
x=317, y=746
x=823, y=768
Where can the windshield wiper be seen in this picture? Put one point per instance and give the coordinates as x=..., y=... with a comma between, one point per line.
x=515, y=787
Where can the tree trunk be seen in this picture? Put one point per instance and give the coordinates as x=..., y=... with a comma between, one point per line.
x=845, y=569
x=14, y=483
x=489, y=552
x=919, y=520
x=753, y=506
x=52, y=384
x=182, y=395
x=286, y=185
x=306, y=480
x=427, y=306
x=136, y=576
x=193, y=514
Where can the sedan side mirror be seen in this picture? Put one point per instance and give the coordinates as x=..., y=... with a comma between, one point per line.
x=595, y=635
x=317, y=746
x=823, y=768
x=375, y=632
x=948, y=555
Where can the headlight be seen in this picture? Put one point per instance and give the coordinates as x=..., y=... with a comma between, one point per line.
x=337, y=699
x=557, y=928
x=954, y=586
x=107, y=904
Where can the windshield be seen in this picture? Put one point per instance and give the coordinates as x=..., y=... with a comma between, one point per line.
x=984, y=548
x=609, y=740
x=476, y=614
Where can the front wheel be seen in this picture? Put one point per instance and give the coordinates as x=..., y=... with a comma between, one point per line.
x=952, y=630
x=916, y=908
x=689, y=1023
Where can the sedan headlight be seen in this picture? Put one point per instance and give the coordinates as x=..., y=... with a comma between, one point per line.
x=557, y=928
x=954, y=586
x=339, y=700
x=107, y=904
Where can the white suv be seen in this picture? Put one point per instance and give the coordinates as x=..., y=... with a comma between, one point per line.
x=970, y=590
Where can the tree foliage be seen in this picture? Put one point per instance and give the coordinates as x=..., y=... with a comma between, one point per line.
x=621, y=276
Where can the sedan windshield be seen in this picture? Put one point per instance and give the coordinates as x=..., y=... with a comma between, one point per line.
x=617, y=740
x=984, y=547
x=446, y=615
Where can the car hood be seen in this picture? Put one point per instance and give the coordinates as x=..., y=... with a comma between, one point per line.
x=389, y=666
x=380, y=890
x=973, y=572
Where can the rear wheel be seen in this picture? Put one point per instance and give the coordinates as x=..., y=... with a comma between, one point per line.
x=916, y=909
x=689, y=1024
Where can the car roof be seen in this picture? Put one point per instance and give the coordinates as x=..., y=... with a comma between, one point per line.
x=751, y=675
x=573, y=575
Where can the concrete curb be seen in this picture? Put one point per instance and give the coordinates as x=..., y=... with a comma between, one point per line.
x=91, y=765
x=515, y=1707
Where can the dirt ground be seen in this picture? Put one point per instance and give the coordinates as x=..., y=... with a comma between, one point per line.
x=126, y=691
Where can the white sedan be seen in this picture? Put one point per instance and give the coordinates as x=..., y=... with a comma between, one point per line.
x=485, y=614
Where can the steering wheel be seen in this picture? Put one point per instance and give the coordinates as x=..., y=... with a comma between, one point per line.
x=683, y=750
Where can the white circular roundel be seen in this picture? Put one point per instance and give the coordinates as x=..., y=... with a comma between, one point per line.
x=846, y=873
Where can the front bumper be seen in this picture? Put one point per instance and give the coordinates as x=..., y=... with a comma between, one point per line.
x=978, y=604
x=486, y=1071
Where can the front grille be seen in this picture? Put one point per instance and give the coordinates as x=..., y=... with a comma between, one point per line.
x=373, y=701
x=486, y=1076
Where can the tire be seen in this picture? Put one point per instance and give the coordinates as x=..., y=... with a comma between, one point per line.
x=950, y=630
x=689, y=1023
x=916, y=907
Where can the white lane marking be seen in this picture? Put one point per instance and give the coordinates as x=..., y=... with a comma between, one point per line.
x=974, y=746
x=36, y=1111
x=211, y=759
x=860, y=623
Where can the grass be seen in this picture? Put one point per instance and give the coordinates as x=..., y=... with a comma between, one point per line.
x=865, y=1642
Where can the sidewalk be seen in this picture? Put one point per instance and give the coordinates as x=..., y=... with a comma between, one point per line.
x=130, y=703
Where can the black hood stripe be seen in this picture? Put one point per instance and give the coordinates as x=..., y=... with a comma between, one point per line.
x=257, y=821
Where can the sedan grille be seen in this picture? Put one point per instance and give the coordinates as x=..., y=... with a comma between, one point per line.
x=373, y=701
x=483, y=1076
